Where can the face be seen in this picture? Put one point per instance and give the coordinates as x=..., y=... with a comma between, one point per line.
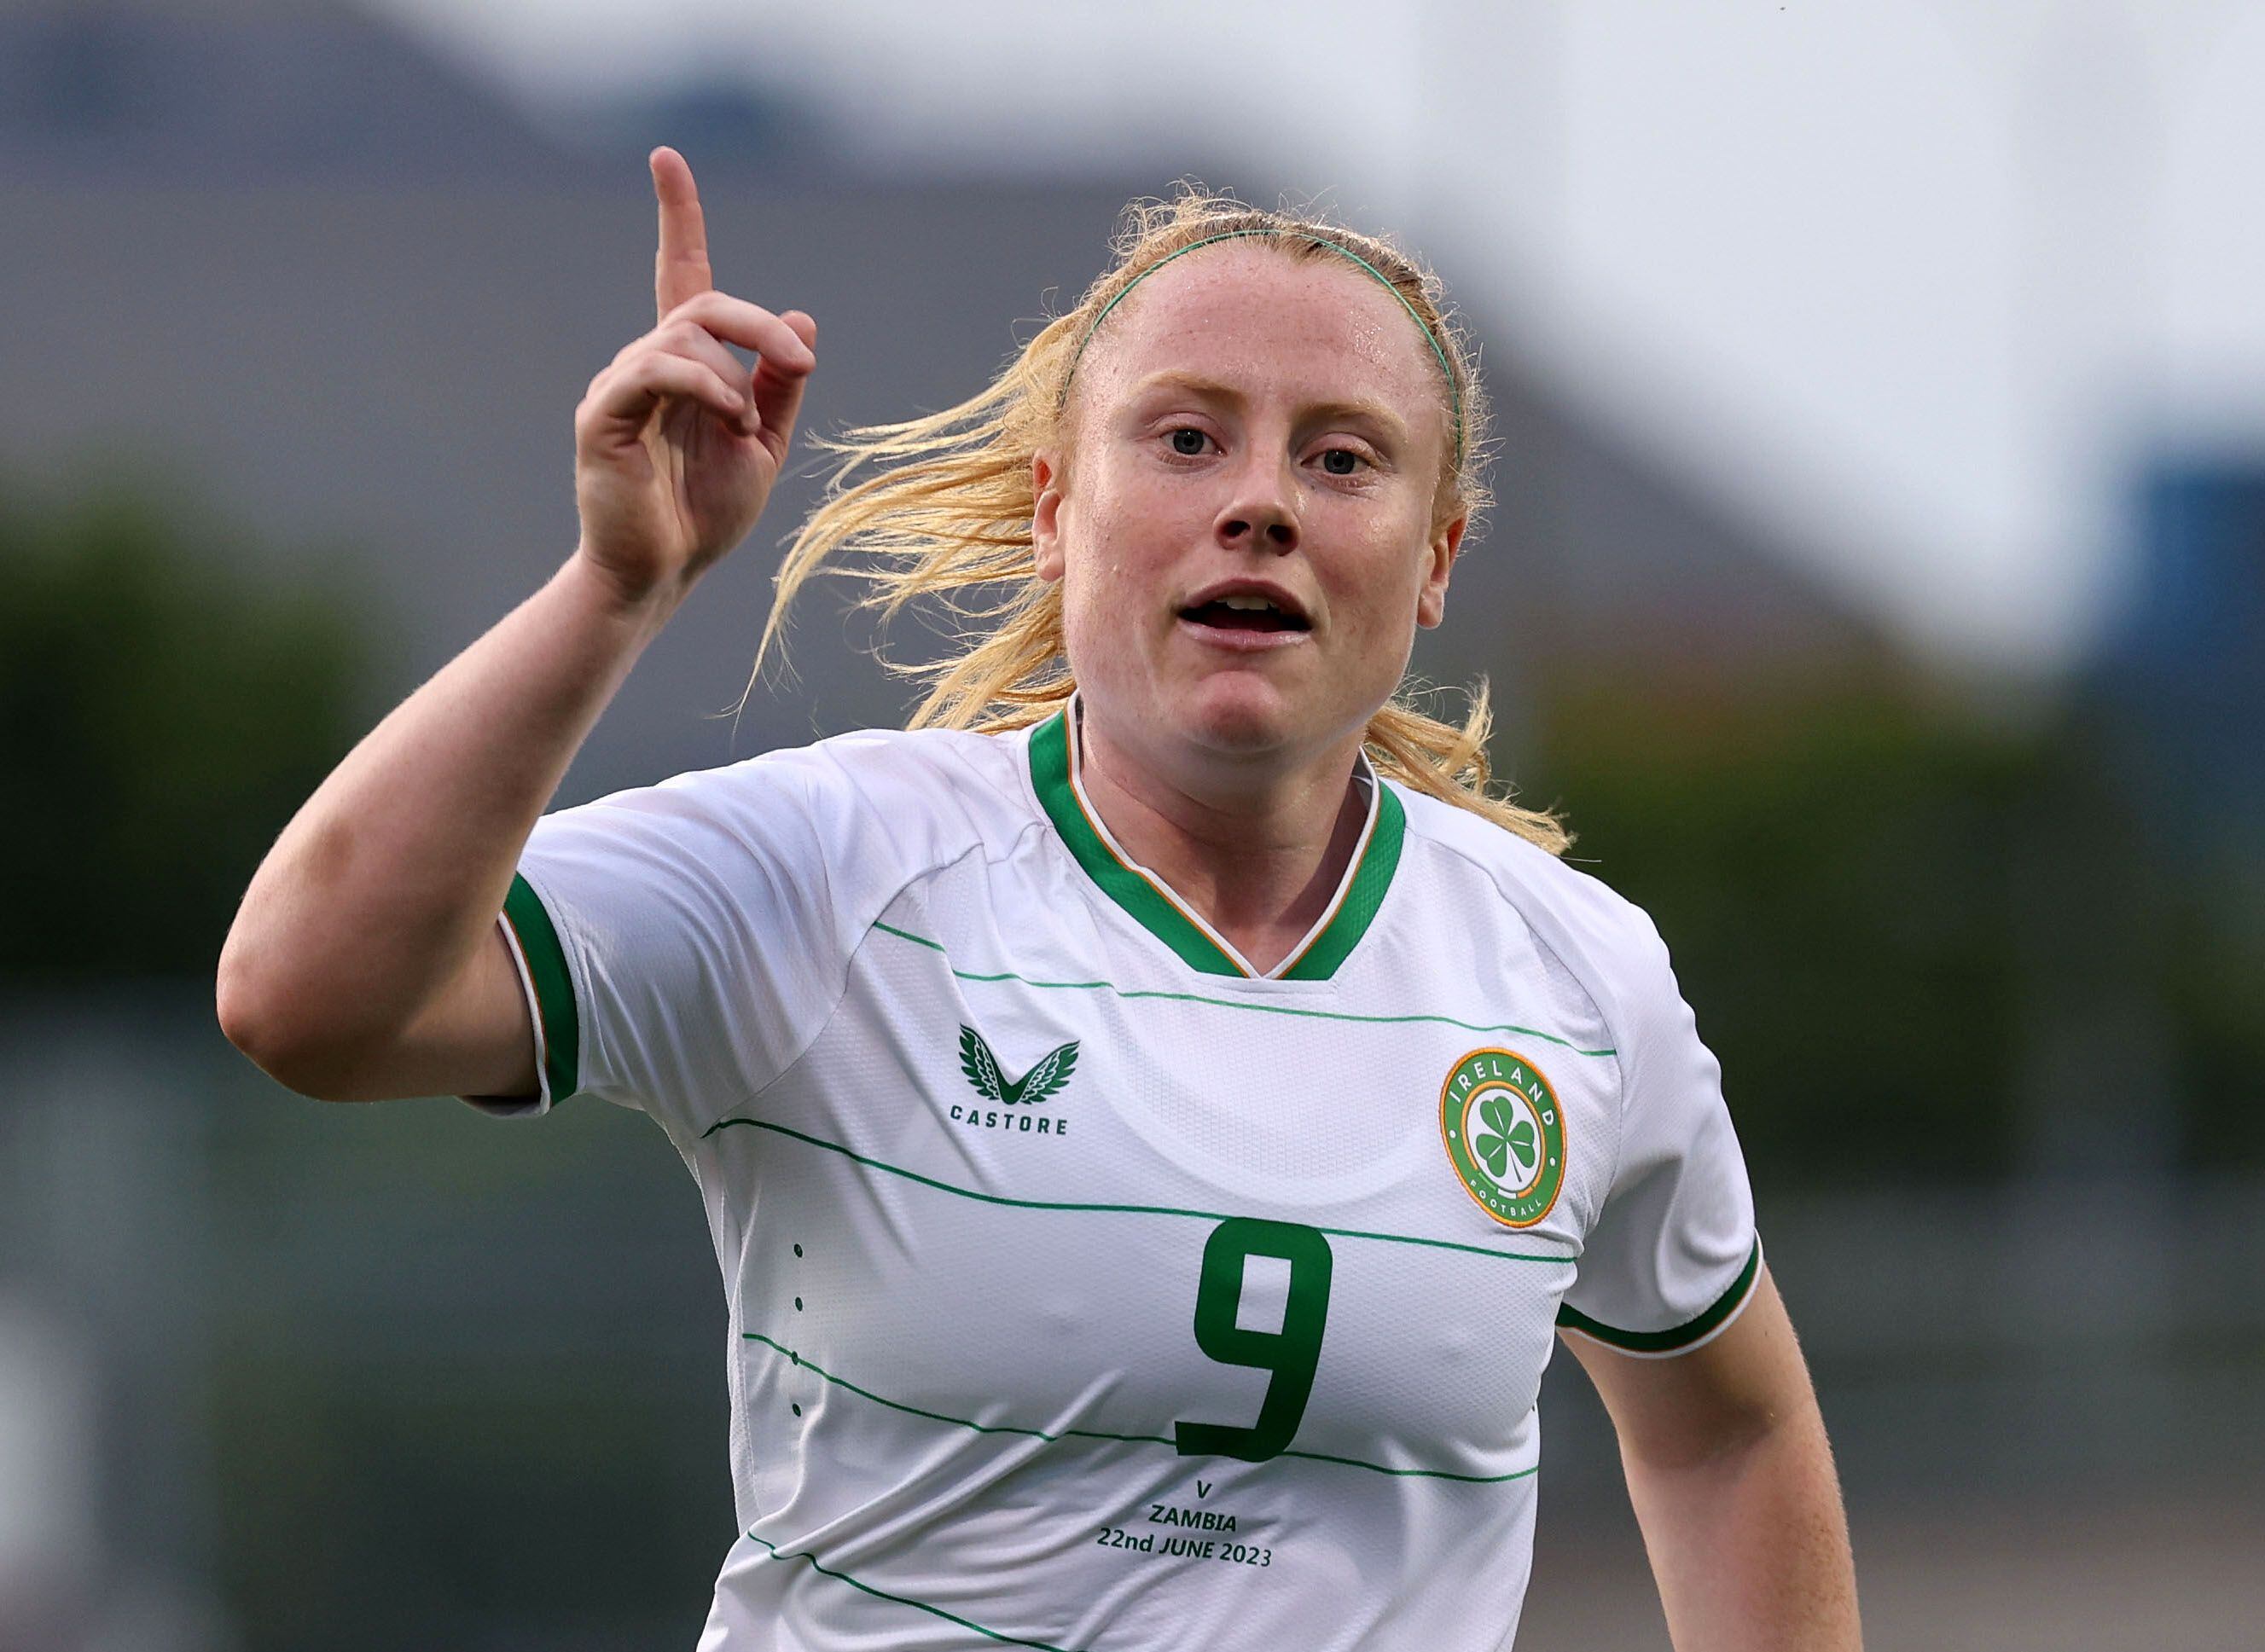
x=1243, y=517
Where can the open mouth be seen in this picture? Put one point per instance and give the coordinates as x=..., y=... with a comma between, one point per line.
x=1244, y=613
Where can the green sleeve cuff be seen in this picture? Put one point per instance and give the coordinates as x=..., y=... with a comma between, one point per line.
x=557, y=1023
x=1677, y=1338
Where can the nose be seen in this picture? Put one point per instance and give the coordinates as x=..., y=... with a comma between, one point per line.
x=1263, y=502
x=1260, y=517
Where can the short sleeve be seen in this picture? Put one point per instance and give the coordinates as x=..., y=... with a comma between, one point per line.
x=680, y=945
x=1672, y=1255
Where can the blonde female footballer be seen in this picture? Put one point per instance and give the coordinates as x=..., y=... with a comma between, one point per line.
x=1157, y=1114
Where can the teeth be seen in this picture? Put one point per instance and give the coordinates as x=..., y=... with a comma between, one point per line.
x=1249, y=605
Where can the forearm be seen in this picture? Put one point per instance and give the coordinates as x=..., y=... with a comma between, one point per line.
x=1750, y=1545
x=376, y=894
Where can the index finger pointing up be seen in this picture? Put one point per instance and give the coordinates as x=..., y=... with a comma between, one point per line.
x=679, y=270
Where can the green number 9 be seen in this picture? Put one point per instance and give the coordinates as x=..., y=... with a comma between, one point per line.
x=1291, y=1353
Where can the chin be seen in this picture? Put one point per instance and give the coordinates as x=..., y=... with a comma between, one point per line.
x=1239, y=712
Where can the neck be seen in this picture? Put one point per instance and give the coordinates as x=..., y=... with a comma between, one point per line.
x=1258, y=853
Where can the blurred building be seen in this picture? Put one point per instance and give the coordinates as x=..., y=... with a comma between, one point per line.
x=242, y=93
x=2183, y=671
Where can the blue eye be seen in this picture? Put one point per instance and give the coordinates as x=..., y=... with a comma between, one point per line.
x=1329, y=462
x=1189, y=440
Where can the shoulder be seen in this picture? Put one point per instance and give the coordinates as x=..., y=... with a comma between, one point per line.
x=831, y=831
x=953, y=777
x=930, y=794
x=908, y=765
x=1605, y=939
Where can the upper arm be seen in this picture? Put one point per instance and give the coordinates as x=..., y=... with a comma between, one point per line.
x=1679, y=1410
x=478, y=1037
x=475, y=1038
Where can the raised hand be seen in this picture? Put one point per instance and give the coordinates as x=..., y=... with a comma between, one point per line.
x=676, y=445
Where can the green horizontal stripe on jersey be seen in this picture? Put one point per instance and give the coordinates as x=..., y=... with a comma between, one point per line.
x=1097, y=1434
x=1233, y=1003
x=1681, y=1335
x=561, y=1023
x=1117, y=1210
x=902, y=1600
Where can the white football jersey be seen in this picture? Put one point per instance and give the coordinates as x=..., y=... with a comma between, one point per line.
x=1089, y=1289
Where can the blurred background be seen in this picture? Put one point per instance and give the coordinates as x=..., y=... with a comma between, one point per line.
x=1878, y=585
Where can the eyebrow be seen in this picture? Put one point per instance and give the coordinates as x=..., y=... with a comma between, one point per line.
x=1210, y=389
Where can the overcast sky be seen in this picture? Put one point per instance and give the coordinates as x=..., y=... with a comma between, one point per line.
x=1915, y=282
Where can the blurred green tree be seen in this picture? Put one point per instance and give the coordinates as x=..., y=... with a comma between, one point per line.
x=1927, y=947
x=1832, y=866
x=163, y=708
x=2217, y=990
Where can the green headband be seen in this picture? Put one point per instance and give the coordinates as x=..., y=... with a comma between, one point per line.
x=1454, y=391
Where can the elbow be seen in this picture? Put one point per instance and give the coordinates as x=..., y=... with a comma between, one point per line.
x=250, y=1020
x=256, y=1015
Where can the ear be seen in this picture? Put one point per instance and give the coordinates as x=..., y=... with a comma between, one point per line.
x=1438, y=562
x=1045, y=515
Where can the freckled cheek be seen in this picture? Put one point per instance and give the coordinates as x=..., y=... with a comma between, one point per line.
x=1371, y=580
x=1118, y=577
x=1100, y=593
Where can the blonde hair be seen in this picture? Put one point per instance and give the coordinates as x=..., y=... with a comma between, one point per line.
x=945, y=514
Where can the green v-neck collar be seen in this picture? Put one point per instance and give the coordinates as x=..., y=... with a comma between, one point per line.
x=1149, y=900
